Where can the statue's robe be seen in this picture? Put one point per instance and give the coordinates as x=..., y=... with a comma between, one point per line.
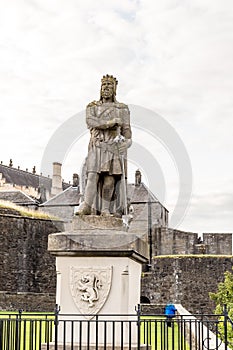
x=103, y=155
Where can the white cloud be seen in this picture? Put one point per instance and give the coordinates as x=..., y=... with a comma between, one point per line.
x=210, y=212
x=175, y=57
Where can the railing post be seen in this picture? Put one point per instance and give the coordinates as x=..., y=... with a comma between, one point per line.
x=138, y=310
x=17, y=329
x=1, y=334
x=225, y=313
x=96, y=332
x=56, y=314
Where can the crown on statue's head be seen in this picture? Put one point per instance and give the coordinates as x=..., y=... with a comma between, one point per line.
x=110, y=78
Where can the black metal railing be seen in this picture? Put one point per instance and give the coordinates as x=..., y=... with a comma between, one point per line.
x=55, y=331
x=25, y=331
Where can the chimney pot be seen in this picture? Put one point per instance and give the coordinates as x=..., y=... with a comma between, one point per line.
x=75, y=180
x=138, y=177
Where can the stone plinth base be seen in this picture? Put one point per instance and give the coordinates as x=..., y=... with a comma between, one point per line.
x=98, y=273
x=98, y=236
x=98, y=243
x=93, y=222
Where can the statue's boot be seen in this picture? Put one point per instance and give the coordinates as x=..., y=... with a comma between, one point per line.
x=84, y=209
x=105, y=212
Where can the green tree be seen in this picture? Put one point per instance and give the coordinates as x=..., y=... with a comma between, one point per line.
x=224, y=296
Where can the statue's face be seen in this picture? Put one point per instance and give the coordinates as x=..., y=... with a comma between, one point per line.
x=107, y=89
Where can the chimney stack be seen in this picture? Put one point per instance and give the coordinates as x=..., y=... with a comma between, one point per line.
x=138, y=177
x=57, y=179
x=75, y=180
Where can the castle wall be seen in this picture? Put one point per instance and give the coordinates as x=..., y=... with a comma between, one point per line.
x=218, y=243
x=41, y=302
x=185, y=280
x=25, y=265
x=28, y=273
x=168, y=241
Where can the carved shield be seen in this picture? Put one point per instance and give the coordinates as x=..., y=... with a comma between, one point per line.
x=90, y=287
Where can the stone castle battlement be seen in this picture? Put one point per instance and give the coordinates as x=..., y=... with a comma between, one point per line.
x=168, y=241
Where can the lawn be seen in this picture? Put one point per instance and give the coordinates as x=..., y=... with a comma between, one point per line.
x=25, y=331
x=157, y=332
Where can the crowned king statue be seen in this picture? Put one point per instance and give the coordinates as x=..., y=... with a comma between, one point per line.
x=110, y=137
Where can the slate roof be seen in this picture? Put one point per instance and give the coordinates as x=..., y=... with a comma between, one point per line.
x=141, y=194
x=17, y=197
x=69, y=196
x=24, y=178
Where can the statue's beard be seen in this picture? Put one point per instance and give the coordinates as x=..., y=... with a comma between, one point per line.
x=107, y=94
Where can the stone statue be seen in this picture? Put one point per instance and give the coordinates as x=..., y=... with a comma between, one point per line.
x=110, y=137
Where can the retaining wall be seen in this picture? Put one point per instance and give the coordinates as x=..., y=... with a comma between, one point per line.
x=25, y=265
x=186, y=280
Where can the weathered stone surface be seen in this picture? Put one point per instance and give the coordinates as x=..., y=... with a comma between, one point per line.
x=98, y=235
x=152, y=309
x=99, y=242
x=105, y=254
x=110, y=136
x=27, y=301
x=25, y=265
x=185, y=280
x=218, y=243
x=168, y=241
x=93, y=222
x=28, y=277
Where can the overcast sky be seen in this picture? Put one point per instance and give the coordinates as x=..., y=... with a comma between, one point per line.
x=172, y=57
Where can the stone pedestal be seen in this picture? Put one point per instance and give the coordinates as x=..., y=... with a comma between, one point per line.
x=98, y=273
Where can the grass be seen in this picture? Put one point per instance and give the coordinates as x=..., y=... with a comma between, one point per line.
x=22, y=211
x=33, y=329
x=26, y=331
x=156, y=332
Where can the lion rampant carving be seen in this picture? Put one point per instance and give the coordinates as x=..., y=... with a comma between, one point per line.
x=89, y=284
x=90, y=287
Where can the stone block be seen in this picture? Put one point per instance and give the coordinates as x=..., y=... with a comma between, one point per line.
x=93, y=222
x=96, y=235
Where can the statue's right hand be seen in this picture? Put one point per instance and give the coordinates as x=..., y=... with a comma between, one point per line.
x=118, y=121
x=110, y=123
x=114, y=122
